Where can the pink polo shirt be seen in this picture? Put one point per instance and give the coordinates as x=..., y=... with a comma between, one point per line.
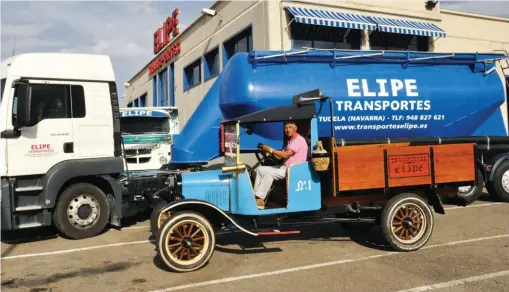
x=299, y=146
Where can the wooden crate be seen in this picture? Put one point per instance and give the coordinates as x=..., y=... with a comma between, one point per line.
x=397, y=165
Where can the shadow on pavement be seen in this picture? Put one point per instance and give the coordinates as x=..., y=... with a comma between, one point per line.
x=455, y=201
x=28, y=235
x=242, y=244
x=50, y=232
x=25, y=282
x=485, y=197
x=372, y=239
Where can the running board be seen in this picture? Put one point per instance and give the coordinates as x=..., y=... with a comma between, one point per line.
x=29, y=225
x=29, y=189
x=277, y=232
x=29, y=208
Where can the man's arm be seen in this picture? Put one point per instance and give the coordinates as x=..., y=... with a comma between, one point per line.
x=279, y=153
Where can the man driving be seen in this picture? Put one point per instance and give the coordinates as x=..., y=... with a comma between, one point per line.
x=296, y=151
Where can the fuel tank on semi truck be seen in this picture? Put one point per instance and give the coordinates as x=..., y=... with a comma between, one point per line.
x=374, y=94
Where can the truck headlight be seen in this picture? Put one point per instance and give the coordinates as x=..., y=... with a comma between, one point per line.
x=163, y=160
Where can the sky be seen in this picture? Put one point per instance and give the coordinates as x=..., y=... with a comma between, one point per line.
x=121, y=29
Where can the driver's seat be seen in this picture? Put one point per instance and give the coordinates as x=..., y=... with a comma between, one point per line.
x=281, y=184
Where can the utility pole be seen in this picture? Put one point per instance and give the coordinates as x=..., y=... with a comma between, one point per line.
x=14, y=46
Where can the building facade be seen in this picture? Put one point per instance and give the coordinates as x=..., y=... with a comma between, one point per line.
x=186, y=63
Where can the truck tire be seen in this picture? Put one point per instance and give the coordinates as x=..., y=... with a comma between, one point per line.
x=501, y=181
x=470, y=194
x=157, y=218
x=403, y=214
x=182, y=249
x=82, y=211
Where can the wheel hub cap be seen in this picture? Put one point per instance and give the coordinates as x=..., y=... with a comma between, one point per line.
x=408, y=223
x=505, y=181
x=464, y=189
x=83, y=211
x=187, y=242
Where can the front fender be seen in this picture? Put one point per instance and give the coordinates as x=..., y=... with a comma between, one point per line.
x=210, y=211
x=494, y=167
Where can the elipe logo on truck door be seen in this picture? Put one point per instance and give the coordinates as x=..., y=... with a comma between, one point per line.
x=40, y=150
x=383, y=88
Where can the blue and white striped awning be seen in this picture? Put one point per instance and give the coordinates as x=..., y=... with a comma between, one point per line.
x=407, y=27
x=330, y=18
x=355, y=21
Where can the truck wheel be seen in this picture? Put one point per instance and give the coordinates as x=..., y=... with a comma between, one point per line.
x=406, y=222
x=157, y=218
x=470, y=194
x=82, y=211
x=501, y=181
x=186, y=241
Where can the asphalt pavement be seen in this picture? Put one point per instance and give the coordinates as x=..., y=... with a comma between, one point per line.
x=468, y=251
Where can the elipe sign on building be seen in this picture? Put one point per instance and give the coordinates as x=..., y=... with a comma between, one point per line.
x=162, y=38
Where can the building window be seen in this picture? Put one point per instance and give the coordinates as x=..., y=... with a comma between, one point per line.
x=142, y=101
x=172, y=84
x=163, y=87
x=242, y=42
x=211, y=64
x=192, y=74
x=379, y=40
x=130, y=104
x=154, y=90
x=324, y=37
x=55, y=101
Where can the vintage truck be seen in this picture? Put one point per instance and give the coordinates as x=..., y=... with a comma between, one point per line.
x=357, y=183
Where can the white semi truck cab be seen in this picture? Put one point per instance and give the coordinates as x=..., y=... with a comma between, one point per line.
x=61, y=143
x=147, y=134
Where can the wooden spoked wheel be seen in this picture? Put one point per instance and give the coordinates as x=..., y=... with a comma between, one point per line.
x=406, y=222
x=162, y=217
x=157, y=217
x=186, y=241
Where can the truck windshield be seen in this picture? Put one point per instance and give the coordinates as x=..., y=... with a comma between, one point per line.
x=3, y=86
x=143, y=125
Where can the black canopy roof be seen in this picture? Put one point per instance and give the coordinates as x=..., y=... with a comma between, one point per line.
x=299, y=110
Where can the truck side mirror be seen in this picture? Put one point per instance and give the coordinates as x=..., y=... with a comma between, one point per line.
x=23, y=93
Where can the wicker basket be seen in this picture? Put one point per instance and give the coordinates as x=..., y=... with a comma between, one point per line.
x=320, y=158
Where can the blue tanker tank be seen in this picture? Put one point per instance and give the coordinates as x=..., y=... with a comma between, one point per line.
x=374, y=94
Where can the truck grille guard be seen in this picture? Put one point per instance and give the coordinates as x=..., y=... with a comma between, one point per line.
x=141, y=149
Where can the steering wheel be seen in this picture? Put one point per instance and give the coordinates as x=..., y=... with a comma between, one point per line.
x=273, y=159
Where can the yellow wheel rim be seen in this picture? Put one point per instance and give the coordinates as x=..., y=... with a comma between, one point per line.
x=187, y=242
x=408, y=223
